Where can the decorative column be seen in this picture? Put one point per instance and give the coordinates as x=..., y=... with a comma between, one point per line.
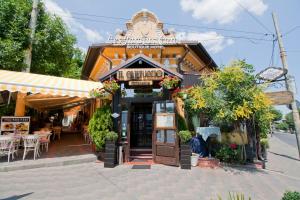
x=20, y=105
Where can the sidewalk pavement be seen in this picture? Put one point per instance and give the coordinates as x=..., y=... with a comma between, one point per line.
x=283, y=158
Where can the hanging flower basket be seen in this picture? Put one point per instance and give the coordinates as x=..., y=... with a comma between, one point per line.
x=111, y=86
x=170, y=82
x=99, y=93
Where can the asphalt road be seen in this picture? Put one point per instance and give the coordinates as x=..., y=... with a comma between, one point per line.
x=287, y=138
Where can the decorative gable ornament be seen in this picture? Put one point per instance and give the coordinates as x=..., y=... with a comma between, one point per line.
x=144, y=29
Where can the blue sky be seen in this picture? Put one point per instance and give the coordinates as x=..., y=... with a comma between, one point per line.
x=221, y=14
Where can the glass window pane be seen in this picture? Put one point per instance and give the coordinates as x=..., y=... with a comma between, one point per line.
x=160, y=108
x=160, y=136
x=170, y=136
x=170, y=107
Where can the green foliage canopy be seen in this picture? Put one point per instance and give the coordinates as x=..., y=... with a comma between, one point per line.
x=53, y=51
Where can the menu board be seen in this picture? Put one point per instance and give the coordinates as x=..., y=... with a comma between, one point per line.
x=165, y=120
x=19, y=125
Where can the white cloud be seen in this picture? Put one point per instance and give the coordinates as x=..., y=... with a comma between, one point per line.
x=221, y=11
x=213, y=41
x=90, y=34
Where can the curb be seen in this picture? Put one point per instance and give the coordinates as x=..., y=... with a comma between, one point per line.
x=49, y=162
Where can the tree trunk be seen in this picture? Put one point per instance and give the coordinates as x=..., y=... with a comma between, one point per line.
x=251, y=146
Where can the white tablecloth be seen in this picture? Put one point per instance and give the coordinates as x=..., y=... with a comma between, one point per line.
x=206, y=132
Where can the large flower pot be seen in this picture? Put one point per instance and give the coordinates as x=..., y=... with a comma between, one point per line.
x=110, y=155
x=185, y=156
x=194, y=159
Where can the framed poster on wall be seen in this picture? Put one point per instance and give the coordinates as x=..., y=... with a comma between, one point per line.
x=165, y=121
x=19, y=125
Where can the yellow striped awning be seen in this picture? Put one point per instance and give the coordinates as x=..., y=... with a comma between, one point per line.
x=43, y=84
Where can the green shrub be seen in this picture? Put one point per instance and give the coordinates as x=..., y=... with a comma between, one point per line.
x=229, y=154
x=289, y=195
x=185, y=136
x=111, y=136
x=100, y=125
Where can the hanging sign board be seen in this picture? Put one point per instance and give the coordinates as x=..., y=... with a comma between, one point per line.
x=18, y=125
x=140, y=74
x=280, y=98
x=272, y=73
x=140, y=83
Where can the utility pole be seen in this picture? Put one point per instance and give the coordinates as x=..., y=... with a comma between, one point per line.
x=32, y=26
x=20, y=104
x=288, y=82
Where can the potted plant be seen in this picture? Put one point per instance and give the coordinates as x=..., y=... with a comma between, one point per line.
x=170, y=82
x=110, y=156
x=185, y=150
x=264, y=143
x=99, y=125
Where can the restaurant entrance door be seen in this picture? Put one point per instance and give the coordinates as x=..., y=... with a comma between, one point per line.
x=141, y=126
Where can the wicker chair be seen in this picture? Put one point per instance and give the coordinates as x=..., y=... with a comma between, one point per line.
x=56, y=131
x=31, y=143
x=7, y=146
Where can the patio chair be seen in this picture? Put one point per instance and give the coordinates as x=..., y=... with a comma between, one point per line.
x=56, y=131
x=86, y=134
x=7, y=146
x=45, y=140
x=31, y=143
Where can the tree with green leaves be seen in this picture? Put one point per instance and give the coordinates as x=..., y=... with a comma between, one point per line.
x=230, y=97
x=277, y=114
x=54, y=48
x=290, y=120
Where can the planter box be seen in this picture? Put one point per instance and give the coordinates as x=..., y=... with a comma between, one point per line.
x=110, y=155
x=209, y=162
x=185, y=156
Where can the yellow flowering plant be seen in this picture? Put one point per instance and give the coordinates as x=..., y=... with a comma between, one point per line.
x=231, y=96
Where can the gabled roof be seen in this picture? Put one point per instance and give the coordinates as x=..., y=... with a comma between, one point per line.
x=135, y=59
x=94, y=52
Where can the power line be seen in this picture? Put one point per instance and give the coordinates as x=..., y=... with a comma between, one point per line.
x=290, y=31
x=251, y=39
x=253, y=17
x=218, y=29
x=272, y=54
x=168, y=23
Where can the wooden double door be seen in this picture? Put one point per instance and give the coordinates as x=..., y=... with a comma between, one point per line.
x=148, y=131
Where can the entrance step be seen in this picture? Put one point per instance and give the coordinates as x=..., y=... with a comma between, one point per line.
x=141, y=154
x=142, y=157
